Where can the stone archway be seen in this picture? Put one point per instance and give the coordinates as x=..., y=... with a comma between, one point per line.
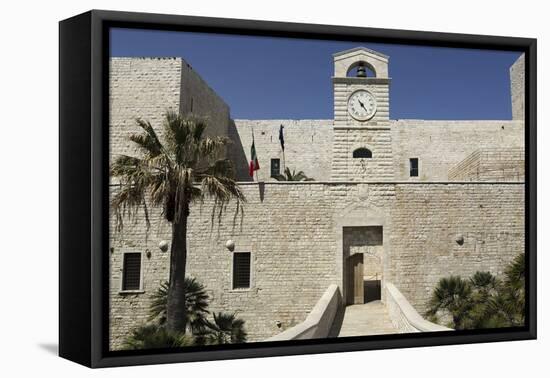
x=362, y=237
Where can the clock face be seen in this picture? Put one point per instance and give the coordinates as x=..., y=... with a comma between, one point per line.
x=361, y=105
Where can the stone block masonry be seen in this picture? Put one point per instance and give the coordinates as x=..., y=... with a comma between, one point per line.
x=517, y=87
x=491, y=164
x=140, y=88
x=414, y=230
x=147, y=87
x=308, y=147
x=319, y=149
x=290, y=230
x=440, y=145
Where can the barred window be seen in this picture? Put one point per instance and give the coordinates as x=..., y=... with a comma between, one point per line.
x=131, y=271
x=413, y=167
x=241, y=270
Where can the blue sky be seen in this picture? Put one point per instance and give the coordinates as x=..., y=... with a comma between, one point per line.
x=263, y=78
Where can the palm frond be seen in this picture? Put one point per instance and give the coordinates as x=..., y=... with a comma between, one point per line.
x=292, y=176
x=196, y=304
x=148, y=141
x=224, y=329
x=212, y=146
x=221, y=188
x=153, y=336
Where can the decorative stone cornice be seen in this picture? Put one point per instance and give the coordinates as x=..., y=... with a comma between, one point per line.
x=361, y=80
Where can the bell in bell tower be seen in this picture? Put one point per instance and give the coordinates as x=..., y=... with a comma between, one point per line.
x=361, y=116
x=361, y=70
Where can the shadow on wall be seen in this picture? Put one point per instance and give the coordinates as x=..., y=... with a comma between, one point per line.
x=236, y=153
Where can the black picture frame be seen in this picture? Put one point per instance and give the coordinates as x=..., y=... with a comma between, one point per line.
x=83, y=196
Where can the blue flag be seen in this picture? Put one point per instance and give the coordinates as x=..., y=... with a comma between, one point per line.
x=282, y=137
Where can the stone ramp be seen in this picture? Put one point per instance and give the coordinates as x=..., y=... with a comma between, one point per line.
x=366, y=319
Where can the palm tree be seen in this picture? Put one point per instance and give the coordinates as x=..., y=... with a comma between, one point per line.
x=513, y=292
x=292, y=176
x=196, y=302
x=174, y=171
x=452, y=294
x=154, y=336
x=483, y=301
x=225, y=329
x=515, y=273
x=484, y=287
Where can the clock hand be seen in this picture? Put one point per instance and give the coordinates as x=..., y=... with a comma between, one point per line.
x=362, y=105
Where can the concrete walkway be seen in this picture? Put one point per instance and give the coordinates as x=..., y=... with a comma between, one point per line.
x=366, y=319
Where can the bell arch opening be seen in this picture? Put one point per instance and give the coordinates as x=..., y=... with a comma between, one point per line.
x=361, y=69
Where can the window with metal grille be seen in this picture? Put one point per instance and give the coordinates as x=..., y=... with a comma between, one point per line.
x=275, y=167
x=131, y=271
x=241, y=270
x=362, y=153
x=414, y=167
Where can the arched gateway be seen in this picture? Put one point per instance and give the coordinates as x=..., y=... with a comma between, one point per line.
x=362, y=238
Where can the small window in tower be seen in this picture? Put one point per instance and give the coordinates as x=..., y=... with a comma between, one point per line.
x=275, y=167
x=241, y=270
x=413, y=167
x=362, y=153
x=131, y=271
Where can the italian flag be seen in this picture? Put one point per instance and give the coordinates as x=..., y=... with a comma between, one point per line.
x=254, y=165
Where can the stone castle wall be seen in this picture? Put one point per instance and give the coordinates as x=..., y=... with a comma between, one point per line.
x=199, y=99
x=292, y=232
x=147, y=87
x=295, y=230
x=517, y=86
x=492, y=164
x=440, y=145
x=429, y=221
x=308, y=146
x=140, y=88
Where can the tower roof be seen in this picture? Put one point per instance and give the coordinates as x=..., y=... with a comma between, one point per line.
x=362, y=49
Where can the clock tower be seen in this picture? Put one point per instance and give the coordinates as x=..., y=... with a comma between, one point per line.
x=362, y=146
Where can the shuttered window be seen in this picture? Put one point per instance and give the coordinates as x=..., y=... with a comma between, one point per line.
x=241, y=270
x=131, y=271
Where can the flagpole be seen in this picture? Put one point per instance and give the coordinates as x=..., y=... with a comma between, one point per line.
x=251, y=161
x=281, y=141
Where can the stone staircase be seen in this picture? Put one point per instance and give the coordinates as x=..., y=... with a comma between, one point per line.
x=366, y=319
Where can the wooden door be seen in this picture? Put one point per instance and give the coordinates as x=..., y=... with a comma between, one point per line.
x=355, y=279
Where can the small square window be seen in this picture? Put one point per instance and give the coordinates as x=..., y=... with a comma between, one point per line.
x=131, y=271
x=241, y=270
x=275, y=167
x=413, y=167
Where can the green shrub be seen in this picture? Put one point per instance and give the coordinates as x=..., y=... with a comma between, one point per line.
x=483, y=301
